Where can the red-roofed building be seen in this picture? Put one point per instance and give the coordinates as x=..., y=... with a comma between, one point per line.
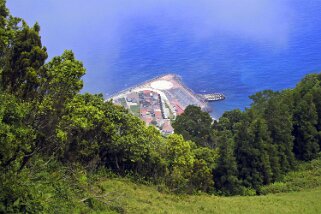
x=158, y=114
x=147, y=92
x=167, y=128
x=143, y=112
x=148, y=120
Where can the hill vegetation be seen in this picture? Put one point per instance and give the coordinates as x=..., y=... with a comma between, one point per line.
x=62, y=150
x=105, y=192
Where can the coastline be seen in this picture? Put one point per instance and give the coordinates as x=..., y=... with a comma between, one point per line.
x=195, y=99
x=159, y=101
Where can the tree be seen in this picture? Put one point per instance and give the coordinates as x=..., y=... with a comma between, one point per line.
x=16, y=140
x=80, y=132
x=201, y=177
x=279, y=121
x=60, y=82
x=24, y=57
x=317, y=101
x=3, y=20
x=180, y=162
x=260, y=100
x=253, y=153
x=306, y=144
x=229, y=119
x=97, y=133
x=16, y=137
x=275, y=109
x=195, y=125
x=226, y=173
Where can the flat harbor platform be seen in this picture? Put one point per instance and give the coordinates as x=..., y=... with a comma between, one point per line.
x=159, y=100
x=171, y=89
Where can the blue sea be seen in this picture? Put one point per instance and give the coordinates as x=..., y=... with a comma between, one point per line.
x=237, y=47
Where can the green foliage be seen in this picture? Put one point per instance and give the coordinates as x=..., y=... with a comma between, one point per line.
x=226, y=172
x=195, y=125
x=252, y=154
x=307, y=117
x=61, y=79
x=266, y=135
x=18, y=195
x=80, y=129
x=15, y=136
x=96, y=133
x=305, y=176
x=210, y=156
x=280, y=126
x=261, y=99
x=229, y=120
x=185, y=170
x=24, y=56
x=60, y=82
x=3, y=19
x=180, y=161
x=306, y=144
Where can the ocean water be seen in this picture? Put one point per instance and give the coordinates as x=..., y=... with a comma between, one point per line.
x=237, y=47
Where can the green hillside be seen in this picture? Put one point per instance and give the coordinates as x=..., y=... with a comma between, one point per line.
x=131, y=198
x=127, y=197
x=108, y=193
x=124, y=196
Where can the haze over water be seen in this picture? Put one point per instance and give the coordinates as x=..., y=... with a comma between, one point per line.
x=237, y=47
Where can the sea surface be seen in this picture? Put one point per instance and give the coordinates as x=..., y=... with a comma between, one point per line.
x=237, y=47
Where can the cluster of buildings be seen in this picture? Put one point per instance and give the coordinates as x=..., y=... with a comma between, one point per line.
x=150, y=107
x=159, y=101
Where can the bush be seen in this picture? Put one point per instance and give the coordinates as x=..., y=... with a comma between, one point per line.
x=306, y=176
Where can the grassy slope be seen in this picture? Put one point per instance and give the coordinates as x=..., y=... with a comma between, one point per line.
x=124, y=196
x=127, y=197
x=103, y=192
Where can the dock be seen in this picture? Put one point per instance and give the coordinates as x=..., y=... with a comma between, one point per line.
x=213, y=97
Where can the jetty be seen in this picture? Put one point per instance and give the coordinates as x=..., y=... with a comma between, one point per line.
x=212, y=97
x=160, y=100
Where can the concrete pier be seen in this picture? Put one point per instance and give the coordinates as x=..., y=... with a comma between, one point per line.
x=213, y=97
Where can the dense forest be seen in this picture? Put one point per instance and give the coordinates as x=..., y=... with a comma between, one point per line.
x=55, y=140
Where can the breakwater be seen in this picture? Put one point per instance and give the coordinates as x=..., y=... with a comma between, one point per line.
x=212, y=97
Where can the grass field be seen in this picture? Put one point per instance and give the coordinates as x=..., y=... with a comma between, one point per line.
x=300, y=192
x=105, y=192
x=123, y=196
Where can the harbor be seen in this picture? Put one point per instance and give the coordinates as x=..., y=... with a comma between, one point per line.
x=160, y=100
